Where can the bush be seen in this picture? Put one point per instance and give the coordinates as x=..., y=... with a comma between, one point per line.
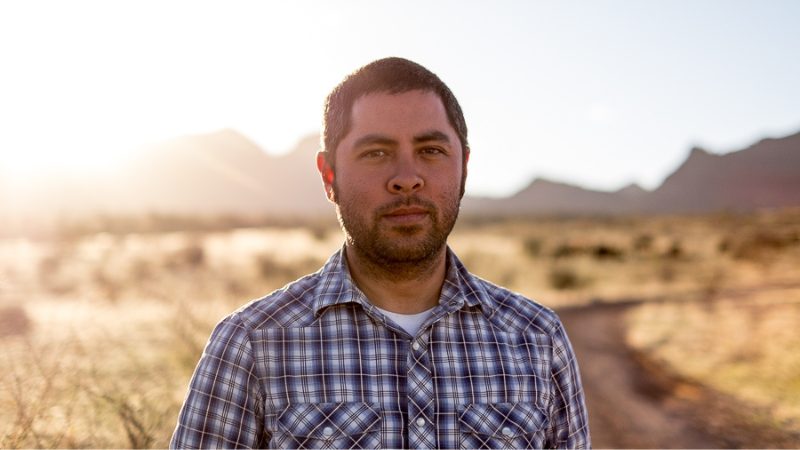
x=675, y=251
x=604, y=251
x=566, y=250
x=190, y=257
x=533, y=246
x=643, y=242
x=14, y=321
x=761, y=243
x=564, y=278
x=271, y=269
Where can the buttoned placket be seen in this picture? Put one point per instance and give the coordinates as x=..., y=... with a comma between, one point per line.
x=420, y=429
x=422, y=406
x=421, y=395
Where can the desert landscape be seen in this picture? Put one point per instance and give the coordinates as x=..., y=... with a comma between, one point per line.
x=634, y=166
x=684, y=325
x=682, y=302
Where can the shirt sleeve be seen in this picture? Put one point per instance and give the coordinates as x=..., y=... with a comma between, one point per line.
x=223, y=408
x=569, y=422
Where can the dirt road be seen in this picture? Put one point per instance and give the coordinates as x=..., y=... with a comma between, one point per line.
x=633, y=404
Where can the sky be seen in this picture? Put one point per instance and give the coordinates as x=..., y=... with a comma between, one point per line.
x=595, y=93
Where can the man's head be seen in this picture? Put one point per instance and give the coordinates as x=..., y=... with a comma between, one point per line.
x=389, y=75
x=394, y=162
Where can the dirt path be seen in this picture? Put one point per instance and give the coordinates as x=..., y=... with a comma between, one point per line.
x=632, y=405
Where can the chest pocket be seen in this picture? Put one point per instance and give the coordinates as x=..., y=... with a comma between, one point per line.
x=502, y=425
x=328, y=425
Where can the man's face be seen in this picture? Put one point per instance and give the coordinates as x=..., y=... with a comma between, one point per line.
x=398, y=174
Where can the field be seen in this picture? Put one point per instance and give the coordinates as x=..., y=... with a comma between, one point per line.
x=100, y=331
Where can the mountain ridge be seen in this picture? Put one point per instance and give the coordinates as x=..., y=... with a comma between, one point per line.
x=225, y=173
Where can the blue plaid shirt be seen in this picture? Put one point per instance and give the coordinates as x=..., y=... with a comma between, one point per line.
x=316, y=365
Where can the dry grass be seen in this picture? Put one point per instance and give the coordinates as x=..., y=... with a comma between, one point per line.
x=99, y=333
x=743, y=346
x=561, y=261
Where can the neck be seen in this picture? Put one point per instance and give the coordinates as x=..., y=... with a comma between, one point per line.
x=406, y=288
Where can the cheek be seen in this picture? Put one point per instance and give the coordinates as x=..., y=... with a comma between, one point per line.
x=357, y=188
x=448, y=183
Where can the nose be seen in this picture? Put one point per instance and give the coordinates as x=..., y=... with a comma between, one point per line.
x=406, y=178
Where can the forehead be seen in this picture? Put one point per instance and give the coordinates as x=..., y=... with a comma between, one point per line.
x=401, y=113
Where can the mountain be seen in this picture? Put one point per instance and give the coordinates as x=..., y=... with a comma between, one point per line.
x=544, y=196
x=224, y=173
x=764, y=175
x=220, y=173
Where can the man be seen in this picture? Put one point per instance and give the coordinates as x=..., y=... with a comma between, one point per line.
x=393, y=343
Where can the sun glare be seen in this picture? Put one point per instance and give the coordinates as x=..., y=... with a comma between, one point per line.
x=53, y=155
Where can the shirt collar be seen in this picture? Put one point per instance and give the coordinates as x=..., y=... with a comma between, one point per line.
x=336, y=286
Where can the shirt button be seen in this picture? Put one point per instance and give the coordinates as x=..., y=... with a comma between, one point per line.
x=420, y=422
x=327, y=431
x=507, y=432
x=415, y=346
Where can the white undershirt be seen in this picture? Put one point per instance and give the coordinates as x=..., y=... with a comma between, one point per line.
x=408, y=322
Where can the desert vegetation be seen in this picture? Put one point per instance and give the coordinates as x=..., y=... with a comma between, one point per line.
x=741, y=344
x=100, y=329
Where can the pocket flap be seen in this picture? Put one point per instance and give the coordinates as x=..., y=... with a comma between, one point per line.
x=505, y=420
x=328, y=420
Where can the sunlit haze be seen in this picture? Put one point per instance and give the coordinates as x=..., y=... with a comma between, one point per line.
x=598, y=93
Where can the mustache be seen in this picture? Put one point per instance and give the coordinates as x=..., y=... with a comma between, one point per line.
x=413, y=200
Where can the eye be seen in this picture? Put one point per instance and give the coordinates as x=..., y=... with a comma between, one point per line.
x=374, y=153
x=432, y=151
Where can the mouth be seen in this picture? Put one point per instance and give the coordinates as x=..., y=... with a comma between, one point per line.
x=407, y=215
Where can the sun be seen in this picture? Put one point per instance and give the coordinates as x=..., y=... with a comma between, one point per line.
x=53, y=155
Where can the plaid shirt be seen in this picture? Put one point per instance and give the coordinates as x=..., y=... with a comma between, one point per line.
x=316, y=365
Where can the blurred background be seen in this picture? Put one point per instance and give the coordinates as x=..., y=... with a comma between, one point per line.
x=635, y=166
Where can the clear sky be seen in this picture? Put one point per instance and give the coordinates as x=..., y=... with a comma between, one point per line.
x=596, y=93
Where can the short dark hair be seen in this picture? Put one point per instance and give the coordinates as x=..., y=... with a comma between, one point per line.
x=392, y=75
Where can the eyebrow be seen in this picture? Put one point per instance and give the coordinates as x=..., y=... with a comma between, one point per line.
x=372, y=139
x=432, y=135
x=379, y=139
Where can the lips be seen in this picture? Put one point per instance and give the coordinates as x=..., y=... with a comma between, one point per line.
x=407, y=214
x=406, y=211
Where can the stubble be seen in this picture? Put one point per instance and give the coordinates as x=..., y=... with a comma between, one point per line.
x=398, y=252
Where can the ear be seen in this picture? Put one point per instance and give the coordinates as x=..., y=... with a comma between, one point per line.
x=327, y=174
x=465, y=157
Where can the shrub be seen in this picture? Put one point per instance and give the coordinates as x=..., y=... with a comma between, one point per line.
x=566, y=250
x=604, y=251
x=724, y=245
x=675, y=251
x=756, y=245
x=564, y=278
x=643, y=242
x=192, y=257
x=14, y=321
x=271, y=269
x=533, y=246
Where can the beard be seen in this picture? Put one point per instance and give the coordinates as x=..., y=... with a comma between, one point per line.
x=398, y=249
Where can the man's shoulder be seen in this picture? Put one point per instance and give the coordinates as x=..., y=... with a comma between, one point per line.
x=291, y=305
x=515, y=311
